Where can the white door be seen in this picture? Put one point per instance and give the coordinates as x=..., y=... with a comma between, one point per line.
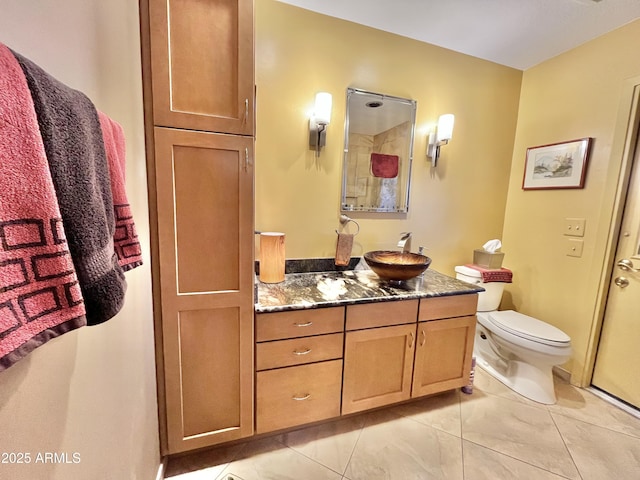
x=618, y=358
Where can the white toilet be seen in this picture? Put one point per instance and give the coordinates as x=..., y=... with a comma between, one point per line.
x=518, y=350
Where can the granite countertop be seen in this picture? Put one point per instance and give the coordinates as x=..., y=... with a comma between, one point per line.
x=335, y=288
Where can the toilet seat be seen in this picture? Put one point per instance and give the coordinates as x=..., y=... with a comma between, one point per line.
x=529, y=328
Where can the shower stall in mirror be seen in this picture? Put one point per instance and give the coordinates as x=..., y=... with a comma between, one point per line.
x=378, y=150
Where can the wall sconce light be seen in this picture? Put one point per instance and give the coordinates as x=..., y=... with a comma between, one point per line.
x=319, y=121
x=440, y=137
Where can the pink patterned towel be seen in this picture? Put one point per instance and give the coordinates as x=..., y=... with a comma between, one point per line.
x=493, y=275
x=125, y=239
x=40, y=298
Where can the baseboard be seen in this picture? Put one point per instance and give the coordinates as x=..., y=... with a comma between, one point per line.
x=562, y=374
x=161, y=469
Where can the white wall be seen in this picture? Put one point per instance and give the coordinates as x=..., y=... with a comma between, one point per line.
x=91, y=391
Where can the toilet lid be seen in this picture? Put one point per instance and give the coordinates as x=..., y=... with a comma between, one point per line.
x=469, y=272
x=529, y=327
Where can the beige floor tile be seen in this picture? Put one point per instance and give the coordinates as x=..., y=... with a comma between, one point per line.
x=481, y=463
x=521, y=431
x=400, y=448
x=206, y=465
x=583, y=405
x=438, y=411
x=598, y=452
x=268, y=459
x=330, y=444
x=504, y=437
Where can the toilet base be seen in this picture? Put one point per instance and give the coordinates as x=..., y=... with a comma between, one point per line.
x=528, y=380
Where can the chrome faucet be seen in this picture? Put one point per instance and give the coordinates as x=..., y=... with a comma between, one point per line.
x=405, y=242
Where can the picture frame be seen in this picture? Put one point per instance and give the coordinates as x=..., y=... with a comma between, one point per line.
x=557, y=165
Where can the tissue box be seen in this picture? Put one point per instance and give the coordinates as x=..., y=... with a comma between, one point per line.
x=487, y=259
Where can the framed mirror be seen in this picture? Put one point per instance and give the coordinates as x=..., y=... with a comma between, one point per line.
x=378, y=150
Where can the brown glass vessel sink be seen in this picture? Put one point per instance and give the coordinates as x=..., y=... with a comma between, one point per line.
x=391, y=265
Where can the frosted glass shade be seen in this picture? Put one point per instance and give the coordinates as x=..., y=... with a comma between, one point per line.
x=445, y=127
x=323, y=108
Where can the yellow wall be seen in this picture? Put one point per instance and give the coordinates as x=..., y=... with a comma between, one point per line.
x=456, y=207
x=453, y=209
x=92, y=390
x=575, y=95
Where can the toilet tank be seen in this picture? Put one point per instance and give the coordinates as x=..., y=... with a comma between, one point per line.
x=488, y=300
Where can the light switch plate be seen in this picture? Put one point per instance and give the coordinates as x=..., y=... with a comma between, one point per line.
x=574, y=227
x=574, y=247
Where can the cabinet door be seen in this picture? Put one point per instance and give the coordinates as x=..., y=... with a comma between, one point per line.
x=443, y=355
x=377, y=367
x=204, y=186
x=202, y=64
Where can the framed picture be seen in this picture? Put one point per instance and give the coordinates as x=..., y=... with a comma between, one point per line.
x=558, y=165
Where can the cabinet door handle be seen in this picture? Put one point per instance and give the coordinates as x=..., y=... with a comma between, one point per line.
x=303, y=352
x=246, y=110
x=299, y=399
x=423, y=337
x=410, y=339
x=307, y=324
x=246, y=159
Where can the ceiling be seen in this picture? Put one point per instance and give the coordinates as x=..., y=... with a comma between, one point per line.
x=515, y=33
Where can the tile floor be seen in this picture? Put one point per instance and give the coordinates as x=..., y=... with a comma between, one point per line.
x=493, y=434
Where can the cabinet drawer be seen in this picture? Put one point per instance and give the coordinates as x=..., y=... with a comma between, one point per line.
x=381, y=314
x=447, y=307
x=298, y=323
x=297, y=395
x=285, y=353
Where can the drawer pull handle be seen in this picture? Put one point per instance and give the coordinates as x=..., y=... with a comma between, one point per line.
x=303, y=352
x=307, y=324
x=299, y=399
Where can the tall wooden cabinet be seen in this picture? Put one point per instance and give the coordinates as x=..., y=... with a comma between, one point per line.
x=199, y=103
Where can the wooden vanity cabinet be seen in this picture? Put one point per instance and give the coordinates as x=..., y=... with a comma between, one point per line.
x=393, y=351
x=298, y=367
x=378, y=360
x=444, y=343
